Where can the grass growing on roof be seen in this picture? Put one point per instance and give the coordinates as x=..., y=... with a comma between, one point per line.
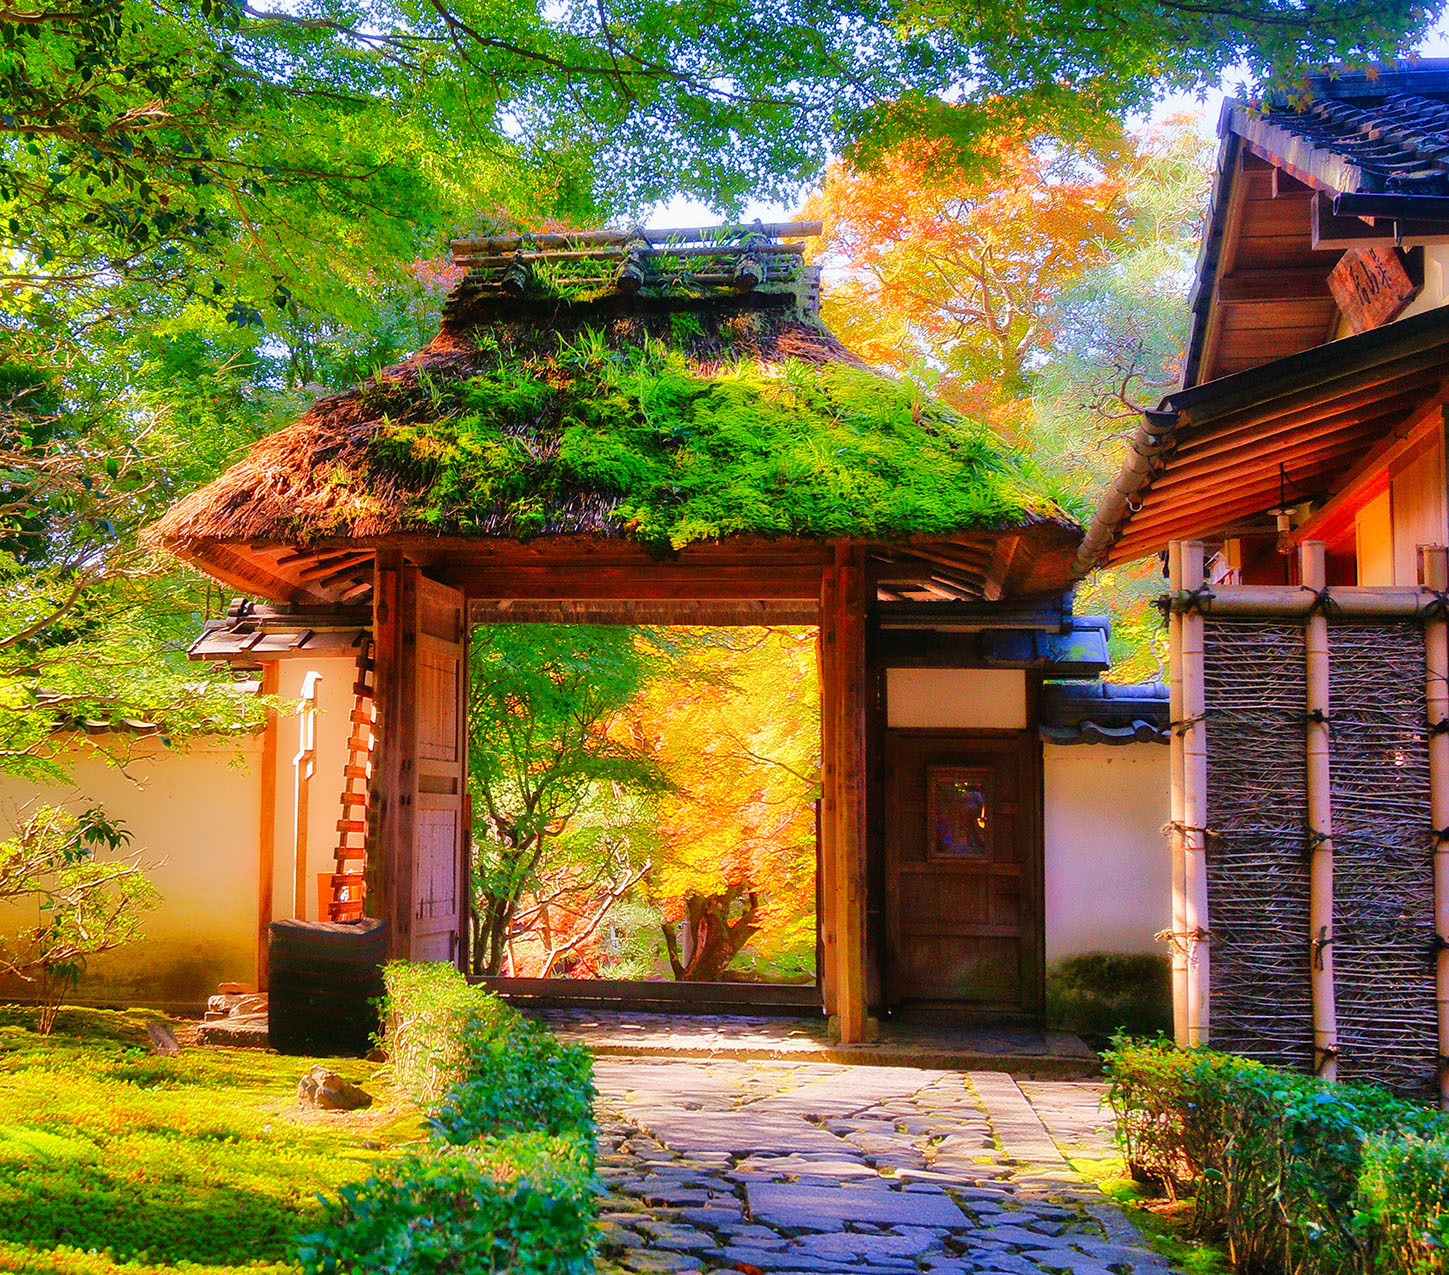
x=116, y=1161
x=683, y=450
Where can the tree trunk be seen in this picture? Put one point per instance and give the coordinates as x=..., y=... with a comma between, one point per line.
x=714, y=940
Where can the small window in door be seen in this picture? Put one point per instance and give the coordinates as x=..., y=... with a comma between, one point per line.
x=958, y=813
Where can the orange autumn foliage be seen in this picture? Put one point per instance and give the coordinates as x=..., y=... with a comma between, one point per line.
x=955, y=279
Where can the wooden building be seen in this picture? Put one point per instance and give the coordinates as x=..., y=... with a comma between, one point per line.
x=654, y=427
x=1296, y=486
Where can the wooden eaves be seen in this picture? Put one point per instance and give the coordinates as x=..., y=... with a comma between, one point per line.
x=1222, y=454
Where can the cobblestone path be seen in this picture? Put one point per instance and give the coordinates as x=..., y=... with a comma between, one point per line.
x=808, y=1167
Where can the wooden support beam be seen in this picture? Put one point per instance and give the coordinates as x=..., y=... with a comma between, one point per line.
x=267, y=825
x=1177, y=935
x=1247, y=287
x=589, y=581
x=827, y=861
x=1312, y=565
x=1193, y=730
x=390, y=807
x=1434, y=575
x=843, y=695
x=1364, y=477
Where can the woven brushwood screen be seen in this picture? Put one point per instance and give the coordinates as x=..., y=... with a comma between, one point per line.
x=1258, y=849
x=1257, y=869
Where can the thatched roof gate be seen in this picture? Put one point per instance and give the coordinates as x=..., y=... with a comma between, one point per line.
x=637, y=427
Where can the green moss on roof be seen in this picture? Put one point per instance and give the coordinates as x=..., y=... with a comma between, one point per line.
x=670, y=443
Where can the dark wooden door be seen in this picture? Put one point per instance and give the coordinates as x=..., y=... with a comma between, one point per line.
x=963, y=870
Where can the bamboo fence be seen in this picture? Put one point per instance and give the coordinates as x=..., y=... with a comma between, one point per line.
x=1323, y=815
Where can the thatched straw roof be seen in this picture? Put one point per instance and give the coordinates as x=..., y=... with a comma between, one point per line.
x=683, y=408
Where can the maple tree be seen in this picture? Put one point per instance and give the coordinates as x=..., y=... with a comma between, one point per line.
x=956, y=281
x=738, y=735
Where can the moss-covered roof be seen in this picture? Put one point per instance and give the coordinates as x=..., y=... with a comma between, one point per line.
x=664, y=427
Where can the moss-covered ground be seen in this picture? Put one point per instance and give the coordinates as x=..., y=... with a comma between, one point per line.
x=115, y=1160
x=1165, y=1224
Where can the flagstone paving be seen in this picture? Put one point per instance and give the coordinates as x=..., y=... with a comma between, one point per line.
x=793, y=1167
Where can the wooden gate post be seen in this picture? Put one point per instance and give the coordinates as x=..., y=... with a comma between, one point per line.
x=390, y=810
x=1434, y=574
x=1177, y=934
x=843, y=784
x=1313, y=573
x=1193, y=731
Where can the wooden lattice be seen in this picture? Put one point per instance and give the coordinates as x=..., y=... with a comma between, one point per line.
x=1259, y=848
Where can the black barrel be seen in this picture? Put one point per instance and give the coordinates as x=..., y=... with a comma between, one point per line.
x=324, y=985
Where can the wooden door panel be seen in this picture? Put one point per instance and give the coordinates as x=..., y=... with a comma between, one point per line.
x=963, y=869
x=440, y=848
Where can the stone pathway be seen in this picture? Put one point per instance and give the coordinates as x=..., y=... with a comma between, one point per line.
x=635, y=1034
x=782, y=1166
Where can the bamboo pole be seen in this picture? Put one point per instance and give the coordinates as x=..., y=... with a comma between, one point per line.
x=1434, y=574
x=1313, y=572
x=1177, y=934
x=1360, y=602
x=1193, y=731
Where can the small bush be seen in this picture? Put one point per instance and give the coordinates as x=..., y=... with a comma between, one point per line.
x=1293, y=1174
x=1101, y=994
x=430, y=1013
x=521, y=1204
x=1403, y=1202
x=518, y=1079
x=508, y=1184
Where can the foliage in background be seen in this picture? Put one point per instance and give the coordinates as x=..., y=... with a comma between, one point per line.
x=543, y=704
x=508, y=1184
x=639, y=785
x=1045, y=295
x=1296, y=1176
x=115, y=1161
x=956, y=283
x=87, y=897
x=739, y=739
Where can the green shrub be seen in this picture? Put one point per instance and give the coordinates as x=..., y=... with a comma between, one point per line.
x=429, y=1017
x=508, y=1184
x=518, y=1079
x=1403, y=1202
x=1293, y=1174
x=521, y=1204
x=1101, y=994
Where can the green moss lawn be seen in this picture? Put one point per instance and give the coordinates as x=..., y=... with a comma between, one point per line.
x=116, y=1160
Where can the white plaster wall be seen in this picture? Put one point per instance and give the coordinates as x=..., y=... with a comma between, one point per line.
x=193, y=812
x=1108, y=872
x=334, y=708
x=960, y=698
x=1435, y=291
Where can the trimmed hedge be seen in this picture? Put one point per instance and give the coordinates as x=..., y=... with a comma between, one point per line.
x=1294, y=1175
x=1106, y=994
x=508, y=1184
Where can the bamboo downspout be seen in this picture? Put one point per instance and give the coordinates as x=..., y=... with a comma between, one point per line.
x=1313, y=571
x=1193, y=731
x=1177, y=934
x=1434, y=574
x=304, y=766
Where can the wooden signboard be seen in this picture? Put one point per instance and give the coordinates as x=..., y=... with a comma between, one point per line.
x=1370, y=285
